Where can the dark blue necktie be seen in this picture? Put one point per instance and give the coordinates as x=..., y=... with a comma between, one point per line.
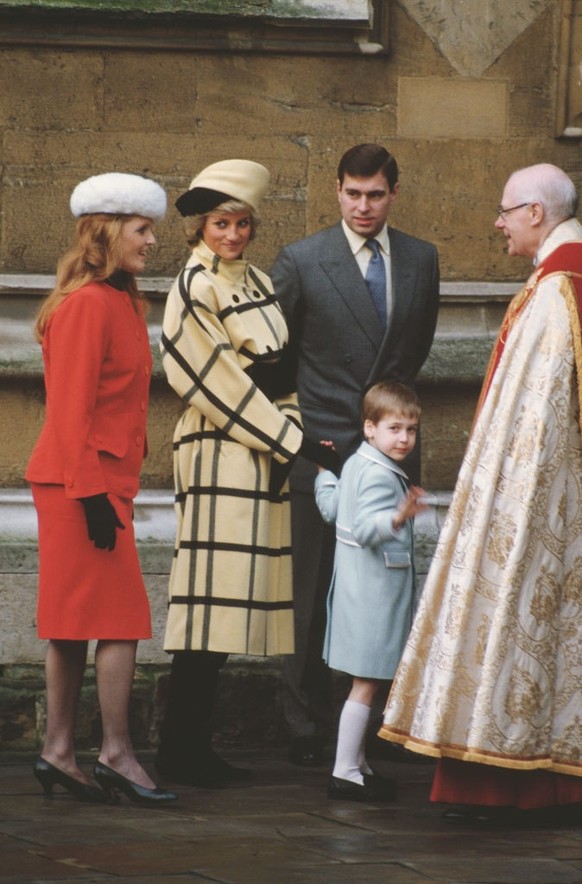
x=376, y=280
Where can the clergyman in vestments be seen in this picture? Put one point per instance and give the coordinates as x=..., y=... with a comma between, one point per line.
x=490, y=682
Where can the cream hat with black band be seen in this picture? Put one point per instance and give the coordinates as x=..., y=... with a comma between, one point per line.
x=241, y=180
x=119, y=193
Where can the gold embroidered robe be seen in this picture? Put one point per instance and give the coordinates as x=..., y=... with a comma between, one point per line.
x=492, y=671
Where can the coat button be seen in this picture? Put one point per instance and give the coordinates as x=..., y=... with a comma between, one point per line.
x=236, y=299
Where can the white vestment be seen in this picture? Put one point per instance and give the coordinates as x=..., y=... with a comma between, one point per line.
x=492, y=671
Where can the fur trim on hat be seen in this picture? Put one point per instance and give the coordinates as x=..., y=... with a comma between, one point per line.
x=118, y=193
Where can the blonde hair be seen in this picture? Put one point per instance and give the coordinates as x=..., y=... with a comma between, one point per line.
x=94, y=256
x=390, y=397
x=194, y=224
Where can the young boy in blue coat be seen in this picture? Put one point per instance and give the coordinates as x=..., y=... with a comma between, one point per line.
x=371, y=598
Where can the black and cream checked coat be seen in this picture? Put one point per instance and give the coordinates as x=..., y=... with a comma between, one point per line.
x=230, y=583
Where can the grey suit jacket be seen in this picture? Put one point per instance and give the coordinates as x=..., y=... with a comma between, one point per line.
x=335, y=334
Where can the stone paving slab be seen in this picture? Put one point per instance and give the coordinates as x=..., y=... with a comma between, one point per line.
x=278, y=827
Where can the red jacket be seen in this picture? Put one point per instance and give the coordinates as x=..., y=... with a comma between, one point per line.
x=97, y=375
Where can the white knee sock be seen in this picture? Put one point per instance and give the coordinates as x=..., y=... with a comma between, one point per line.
x=350, y=741
x=363, y=761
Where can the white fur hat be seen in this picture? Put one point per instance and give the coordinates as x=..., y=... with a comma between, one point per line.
x=118, y=193
x=241, y=180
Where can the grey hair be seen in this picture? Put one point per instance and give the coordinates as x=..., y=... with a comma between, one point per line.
x=551, y=187
x=194, y=224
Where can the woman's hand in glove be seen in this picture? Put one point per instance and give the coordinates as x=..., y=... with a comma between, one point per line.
x=102, y=521
x=320, y=453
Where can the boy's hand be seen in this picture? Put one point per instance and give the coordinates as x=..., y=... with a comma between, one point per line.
x=410, y=505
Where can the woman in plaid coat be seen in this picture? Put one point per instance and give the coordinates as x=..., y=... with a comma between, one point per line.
x=224, y=351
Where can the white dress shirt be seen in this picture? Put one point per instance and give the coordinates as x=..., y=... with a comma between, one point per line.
x=362, y=254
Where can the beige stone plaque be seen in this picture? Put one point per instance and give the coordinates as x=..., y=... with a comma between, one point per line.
x=472, y=34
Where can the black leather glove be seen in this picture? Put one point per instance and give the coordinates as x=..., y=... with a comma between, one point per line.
x=278, y=476
x=322, y=455
x=102, y=521
x=275, y=379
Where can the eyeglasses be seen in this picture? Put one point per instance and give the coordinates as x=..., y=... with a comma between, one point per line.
x=503, y=212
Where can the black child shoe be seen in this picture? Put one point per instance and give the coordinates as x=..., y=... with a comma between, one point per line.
x=346, y=790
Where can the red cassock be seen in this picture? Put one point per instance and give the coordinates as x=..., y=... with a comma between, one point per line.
x=97, y=374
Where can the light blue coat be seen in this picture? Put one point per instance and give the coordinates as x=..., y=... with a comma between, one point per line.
x=371, y=598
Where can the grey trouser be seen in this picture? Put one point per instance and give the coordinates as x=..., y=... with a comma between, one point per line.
x=307, y=700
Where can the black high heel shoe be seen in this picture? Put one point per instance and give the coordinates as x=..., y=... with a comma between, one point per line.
x=112, y=783
x=48, y=776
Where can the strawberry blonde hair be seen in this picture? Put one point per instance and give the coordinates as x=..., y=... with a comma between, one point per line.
x=94, y=256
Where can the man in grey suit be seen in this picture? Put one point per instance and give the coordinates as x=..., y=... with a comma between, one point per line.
x=358, y=312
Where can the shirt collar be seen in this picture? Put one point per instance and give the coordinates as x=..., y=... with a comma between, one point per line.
x=357, y=242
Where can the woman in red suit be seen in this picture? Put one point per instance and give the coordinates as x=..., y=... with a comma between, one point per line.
x=84, y=472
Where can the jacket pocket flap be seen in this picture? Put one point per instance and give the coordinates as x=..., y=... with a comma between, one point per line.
x=397, y=559
x=110, y=434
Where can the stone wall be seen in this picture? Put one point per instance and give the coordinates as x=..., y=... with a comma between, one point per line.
x=451, y=90
x=458, y=122
x=249, y=704
x=461, y=91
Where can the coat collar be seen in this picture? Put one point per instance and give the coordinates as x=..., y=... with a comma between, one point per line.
x=368, y=452
x=233, y=271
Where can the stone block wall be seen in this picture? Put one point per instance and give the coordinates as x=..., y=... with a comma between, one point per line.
x=455, y=97
x=462, y=94
x=68, y=111
x=248, y=710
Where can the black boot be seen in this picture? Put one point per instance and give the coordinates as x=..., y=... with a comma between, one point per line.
x=185, y=753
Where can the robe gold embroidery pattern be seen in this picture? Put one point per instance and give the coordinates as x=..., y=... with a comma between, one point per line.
x=492, y=672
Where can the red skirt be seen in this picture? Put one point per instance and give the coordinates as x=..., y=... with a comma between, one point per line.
x=464, y=782
x=85, y=592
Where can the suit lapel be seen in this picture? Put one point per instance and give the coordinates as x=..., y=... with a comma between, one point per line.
x=342, y=270
x=402, y=268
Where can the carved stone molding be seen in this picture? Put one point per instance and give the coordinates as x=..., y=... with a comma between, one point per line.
x=155, y=528
x=306, y=26
x=569, y=99
x=469, y=317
